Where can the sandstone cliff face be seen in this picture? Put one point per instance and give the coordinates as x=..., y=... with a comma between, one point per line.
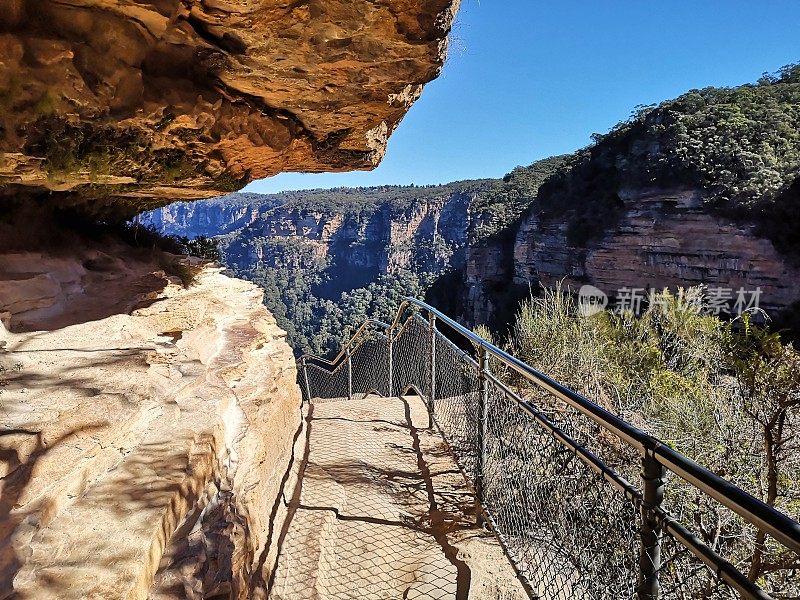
x=429, y=234
x=199, y=218
x=665, y=238
x=119, y=105
x=143, y=454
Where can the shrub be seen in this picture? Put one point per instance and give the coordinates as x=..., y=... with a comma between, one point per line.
x=725, y=393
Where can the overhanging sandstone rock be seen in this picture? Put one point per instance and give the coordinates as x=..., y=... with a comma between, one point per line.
x=115, y=106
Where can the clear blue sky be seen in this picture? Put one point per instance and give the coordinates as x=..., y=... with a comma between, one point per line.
x=527, y=79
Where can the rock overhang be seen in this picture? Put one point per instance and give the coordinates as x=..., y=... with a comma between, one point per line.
x=117, y=106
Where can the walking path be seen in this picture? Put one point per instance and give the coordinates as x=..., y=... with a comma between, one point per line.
x=381, y=511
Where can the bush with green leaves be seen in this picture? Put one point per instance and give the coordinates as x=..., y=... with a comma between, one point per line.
x=499, y=205
x=290, y=279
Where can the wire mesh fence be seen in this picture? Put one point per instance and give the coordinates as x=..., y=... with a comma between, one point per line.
x=555, y=483
x=573, y=535
x=411, y=366
x=369, y=366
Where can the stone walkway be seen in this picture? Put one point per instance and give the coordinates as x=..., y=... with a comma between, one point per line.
x=380, y=510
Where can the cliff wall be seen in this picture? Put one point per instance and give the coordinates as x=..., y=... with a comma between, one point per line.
x=149, y=425
x=381, y=235
x=145, y=444
x=664, y=238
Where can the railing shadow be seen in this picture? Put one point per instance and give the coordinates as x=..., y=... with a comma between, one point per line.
x=370, y=509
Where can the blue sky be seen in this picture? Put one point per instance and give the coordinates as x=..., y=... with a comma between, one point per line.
x=527, y=79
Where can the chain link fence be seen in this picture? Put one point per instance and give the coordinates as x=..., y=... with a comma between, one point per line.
x=586, y=506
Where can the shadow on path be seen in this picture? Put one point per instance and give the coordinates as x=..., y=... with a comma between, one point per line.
x=366, y=517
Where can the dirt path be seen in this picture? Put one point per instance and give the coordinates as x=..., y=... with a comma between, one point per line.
x=381, y=511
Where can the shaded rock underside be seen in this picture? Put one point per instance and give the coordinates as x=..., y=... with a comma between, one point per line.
x=115, y=106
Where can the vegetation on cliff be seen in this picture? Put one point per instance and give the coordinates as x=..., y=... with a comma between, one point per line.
x=740, y=146
x=319, y=325
x=500, y=204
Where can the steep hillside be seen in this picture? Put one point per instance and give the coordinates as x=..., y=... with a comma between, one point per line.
x=702, y=189
x=738, y=147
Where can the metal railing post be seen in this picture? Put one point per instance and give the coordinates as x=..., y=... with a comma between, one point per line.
x=483, y=404
x=391, y=364
x=349, y=375
x=432, y=363
x=653, y=474
x=305, y=376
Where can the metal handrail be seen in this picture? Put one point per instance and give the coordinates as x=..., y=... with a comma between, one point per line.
x=726, y=571
x=765, y=517
x=347, y=344
x=656, y=456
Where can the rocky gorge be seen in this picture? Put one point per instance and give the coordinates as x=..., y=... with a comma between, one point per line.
x=482, y=264
x=329, y=258
x=378, y=231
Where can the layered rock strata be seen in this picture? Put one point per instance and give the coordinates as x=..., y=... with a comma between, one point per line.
x=429, y=234
x=664, y=239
